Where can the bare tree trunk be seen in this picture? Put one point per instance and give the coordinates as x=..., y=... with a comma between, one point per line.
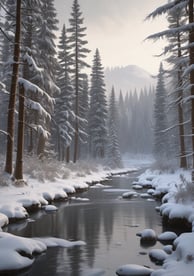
x=191, y=56
x=12, y=98
x=20, y=139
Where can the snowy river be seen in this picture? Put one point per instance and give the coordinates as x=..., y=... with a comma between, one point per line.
x=107, y=223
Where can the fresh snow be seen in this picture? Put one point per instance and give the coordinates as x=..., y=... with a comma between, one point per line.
x=17, y=252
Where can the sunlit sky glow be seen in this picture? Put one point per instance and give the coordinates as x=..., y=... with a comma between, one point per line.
x=118, y=29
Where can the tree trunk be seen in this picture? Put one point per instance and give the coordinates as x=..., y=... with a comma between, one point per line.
x=20, y=139
x=76, y=136
x=12, y=97
x=183, y=159
x=191, y=57
x=68, y=154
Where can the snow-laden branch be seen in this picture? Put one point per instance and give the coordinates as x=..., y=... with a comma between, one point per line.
x=31, y=63
x=175, y=125
x=37, y=106
x=33, y=88
x=5, y=133
x=186, y=99
x=188, y=70
x=40, y=130
x=178, y=4
x=171, y=32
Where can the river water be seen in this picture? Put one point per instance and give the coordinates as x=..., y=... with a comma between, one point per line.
x=107, y=223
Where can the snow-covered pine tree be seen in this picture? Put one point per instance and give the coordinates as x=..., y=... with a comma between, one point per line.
x=78, y=54
x=98, y=110
x=177, y=58
x=7, y=39
x=160, y=119
x=64, y=114
x=113, y=150
x=186, y=28
x=45, y=56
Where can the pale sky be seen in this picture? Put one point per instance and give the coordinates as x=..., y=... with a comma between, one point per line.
x=117, y=29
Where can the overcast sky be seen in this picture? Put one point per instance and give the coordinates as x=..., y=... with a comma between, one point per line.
x=117, y=29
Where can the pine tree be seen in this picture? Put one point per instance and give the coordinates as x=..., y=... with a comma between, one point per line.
x=160, y=119
x=78, y=55
x=64, y=114
x=98, y=110
x=113, y=150
x=46, y=59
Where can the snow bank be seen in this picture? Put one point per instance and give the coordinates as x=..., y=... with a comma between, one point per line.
x=18, y=253
x=181, y=261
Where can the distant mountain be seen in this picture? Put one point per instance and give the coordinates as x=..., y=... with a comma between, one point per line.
x=128, y=79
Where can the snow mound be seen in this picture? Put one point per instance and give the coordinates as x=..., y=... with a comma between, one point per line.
x=17, y=253
x=3, y=220
x=15, y=210
x=133, y=270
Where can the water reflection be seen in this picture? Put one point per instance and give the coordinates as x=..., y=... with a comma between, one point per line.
x=104, y=224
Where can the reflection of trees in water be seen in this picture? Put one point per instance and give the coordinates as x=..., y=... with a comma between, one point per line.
x=108, y=222
x=92, y=226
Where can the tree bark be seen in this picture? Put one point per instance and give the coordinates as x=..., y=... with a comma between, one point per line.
x=20, y=139
x=191, y=57
x=12, y=98
x=183, y=159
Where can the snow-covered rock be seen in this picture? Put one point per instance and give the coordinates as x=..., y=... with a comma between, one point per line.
x=167, y=236
x=50, y=208
x=148, y=234
x=137, y=187
x=133, y=270
x=158, y=256
x=129, y=194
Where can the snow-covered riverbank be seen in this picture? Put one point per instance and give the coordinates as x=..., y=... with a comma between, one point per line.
x=177, y=194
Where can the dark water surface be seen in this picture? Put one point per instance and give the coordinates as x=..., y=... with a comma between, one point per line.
x=108, y=225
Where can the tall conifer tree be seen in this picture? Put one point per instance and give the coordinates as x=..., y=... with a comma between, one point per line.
x=78, y=54
x=98, y=110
